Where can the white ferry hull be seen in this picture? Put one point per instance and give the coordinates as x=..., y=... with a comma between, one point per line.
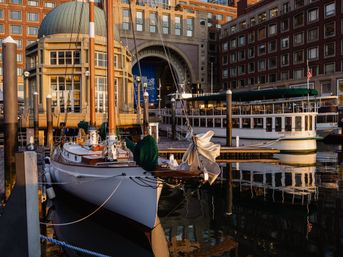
x=294, y=142
x=131, y=198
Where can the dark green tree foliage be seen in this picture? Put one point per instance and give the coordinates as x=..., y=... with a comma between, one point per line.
x=103, y=130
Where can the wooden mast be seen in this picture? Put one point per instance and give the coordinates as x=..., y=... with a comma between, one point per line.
x=91, y=64
x=110, y=71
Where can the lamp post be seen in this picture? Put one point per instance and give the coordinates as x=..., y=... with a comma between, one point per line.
x=138, y=80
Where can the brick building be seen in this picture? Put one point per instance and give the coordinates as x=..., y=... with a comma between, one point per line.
x=270, y=42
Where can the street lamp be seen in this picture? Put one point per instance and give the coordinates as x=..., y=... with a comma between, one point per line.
x=26, y=75
x=138, y=80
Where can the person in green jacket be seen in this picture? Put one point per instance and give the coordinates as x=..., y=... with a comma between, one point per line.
x=145, y=151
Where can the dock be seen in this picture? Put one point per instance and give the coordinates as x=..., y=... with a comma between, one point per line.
x=228, y=154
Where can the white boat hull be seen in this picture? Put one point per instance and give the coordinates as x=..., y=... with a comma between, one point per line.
x=131, y=198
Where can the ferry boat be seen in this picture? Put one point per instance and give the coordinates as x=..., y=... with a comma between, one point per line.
x=279, y=118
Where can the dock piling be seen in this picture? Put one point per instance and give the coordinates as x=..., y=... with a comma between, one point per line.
x=10, y=101
x=35, y=117
x=49, y=121
x=229, y=118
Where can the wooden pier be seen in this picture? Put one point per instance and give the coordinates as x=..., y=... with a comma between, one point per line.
x=229, y=154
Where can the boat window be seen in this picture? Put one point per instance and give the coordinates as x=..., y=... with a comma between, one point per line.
x=246, y=123
x=196, y=122
x=202, y=122
x=288, y=124
x=217, y=123
x=210, y=123
x=202, y=112
x=245, y=109
x=306, y=123
x=191, y=233
x=258, y=122
x=310, y=122
x=278, y=127
x=269, y=127
x=235, y=122
x=179, y=233
x=209, y=112
x=278, y=108
x=257, y=109
x=298, y=123
x=235, y=110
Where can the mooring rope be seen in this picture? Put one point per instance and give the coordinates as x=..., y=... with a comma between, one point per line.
x=72, y=247
x=87, y=216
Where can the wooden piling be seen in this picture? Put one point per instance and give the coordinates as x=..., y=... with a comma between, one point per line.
x=10, y=101
x=35, y=118
x=229, y=118
x=229, y=189
x=49, y=122
x=173, y=117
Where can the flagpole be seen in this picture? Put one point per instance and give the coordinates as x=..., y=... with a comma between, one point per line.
x=308, y=86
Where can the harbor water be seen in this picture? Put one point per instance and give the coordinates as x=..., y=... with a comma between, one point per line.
x=260, y=210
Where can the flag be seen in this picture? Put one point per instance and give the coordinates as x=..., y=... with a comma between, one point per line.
x=309, y=73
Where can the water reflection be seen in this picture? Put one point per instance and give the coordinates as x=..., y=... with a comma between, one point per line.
x=262, y=210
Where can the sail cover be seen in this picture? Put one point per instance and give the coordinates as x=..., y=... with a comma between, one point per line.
x=201, y=156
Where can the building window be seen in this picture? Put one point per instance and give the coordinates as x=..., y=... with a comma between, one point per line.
x=233, y=43
x=233, y=29
x=272, y=63
x=15, y=15
x=233, y=72
x=153, y=22
x=272, y=78
x=139, y=21
x=165, y=24
x=241, y=69
x=241, y=55
x=126, y=19
x=314, y=69
x=31, y=16
x=299, y=57
x=66, y=93
x=225, y=73
x=284, y=25
x=251, y=37
x=261, y=79
x=261, y=65
x=100, y=59
x=243, y=25
x=284, y=59
x=32, y=3
x=19, y=58
x=49, y=5
x=225, y=47
x=330, y=9
x=262, y=17
x=284, y=75
x=225, y=59
x=33, y=31
x=285, y=8
x=329, y=49
x=233, y=57
x=298, y=20
x=261, y=49
x=329, y=68
x=325, y=87
x=273, y=12
x=299, y=3
x=299, y=38
x=312, y=53
x=1, y=14
x=262, y=34
x=64, y=57
x=312, y=35
x=178, y=27
x=284, y=43
x=251, y=52
x=252, y=21
x=251, y=67
x=272, y=46
x=329, y=29
x=241, y=40
x=189, y=27
x=16, y=1
x=298, y=74
x=272, y=29
x=15, y=29
x=312, y=15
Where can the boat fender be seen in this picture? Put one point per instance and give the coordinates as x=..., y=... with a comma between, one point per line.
x=205, y=175
x=50, y=192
